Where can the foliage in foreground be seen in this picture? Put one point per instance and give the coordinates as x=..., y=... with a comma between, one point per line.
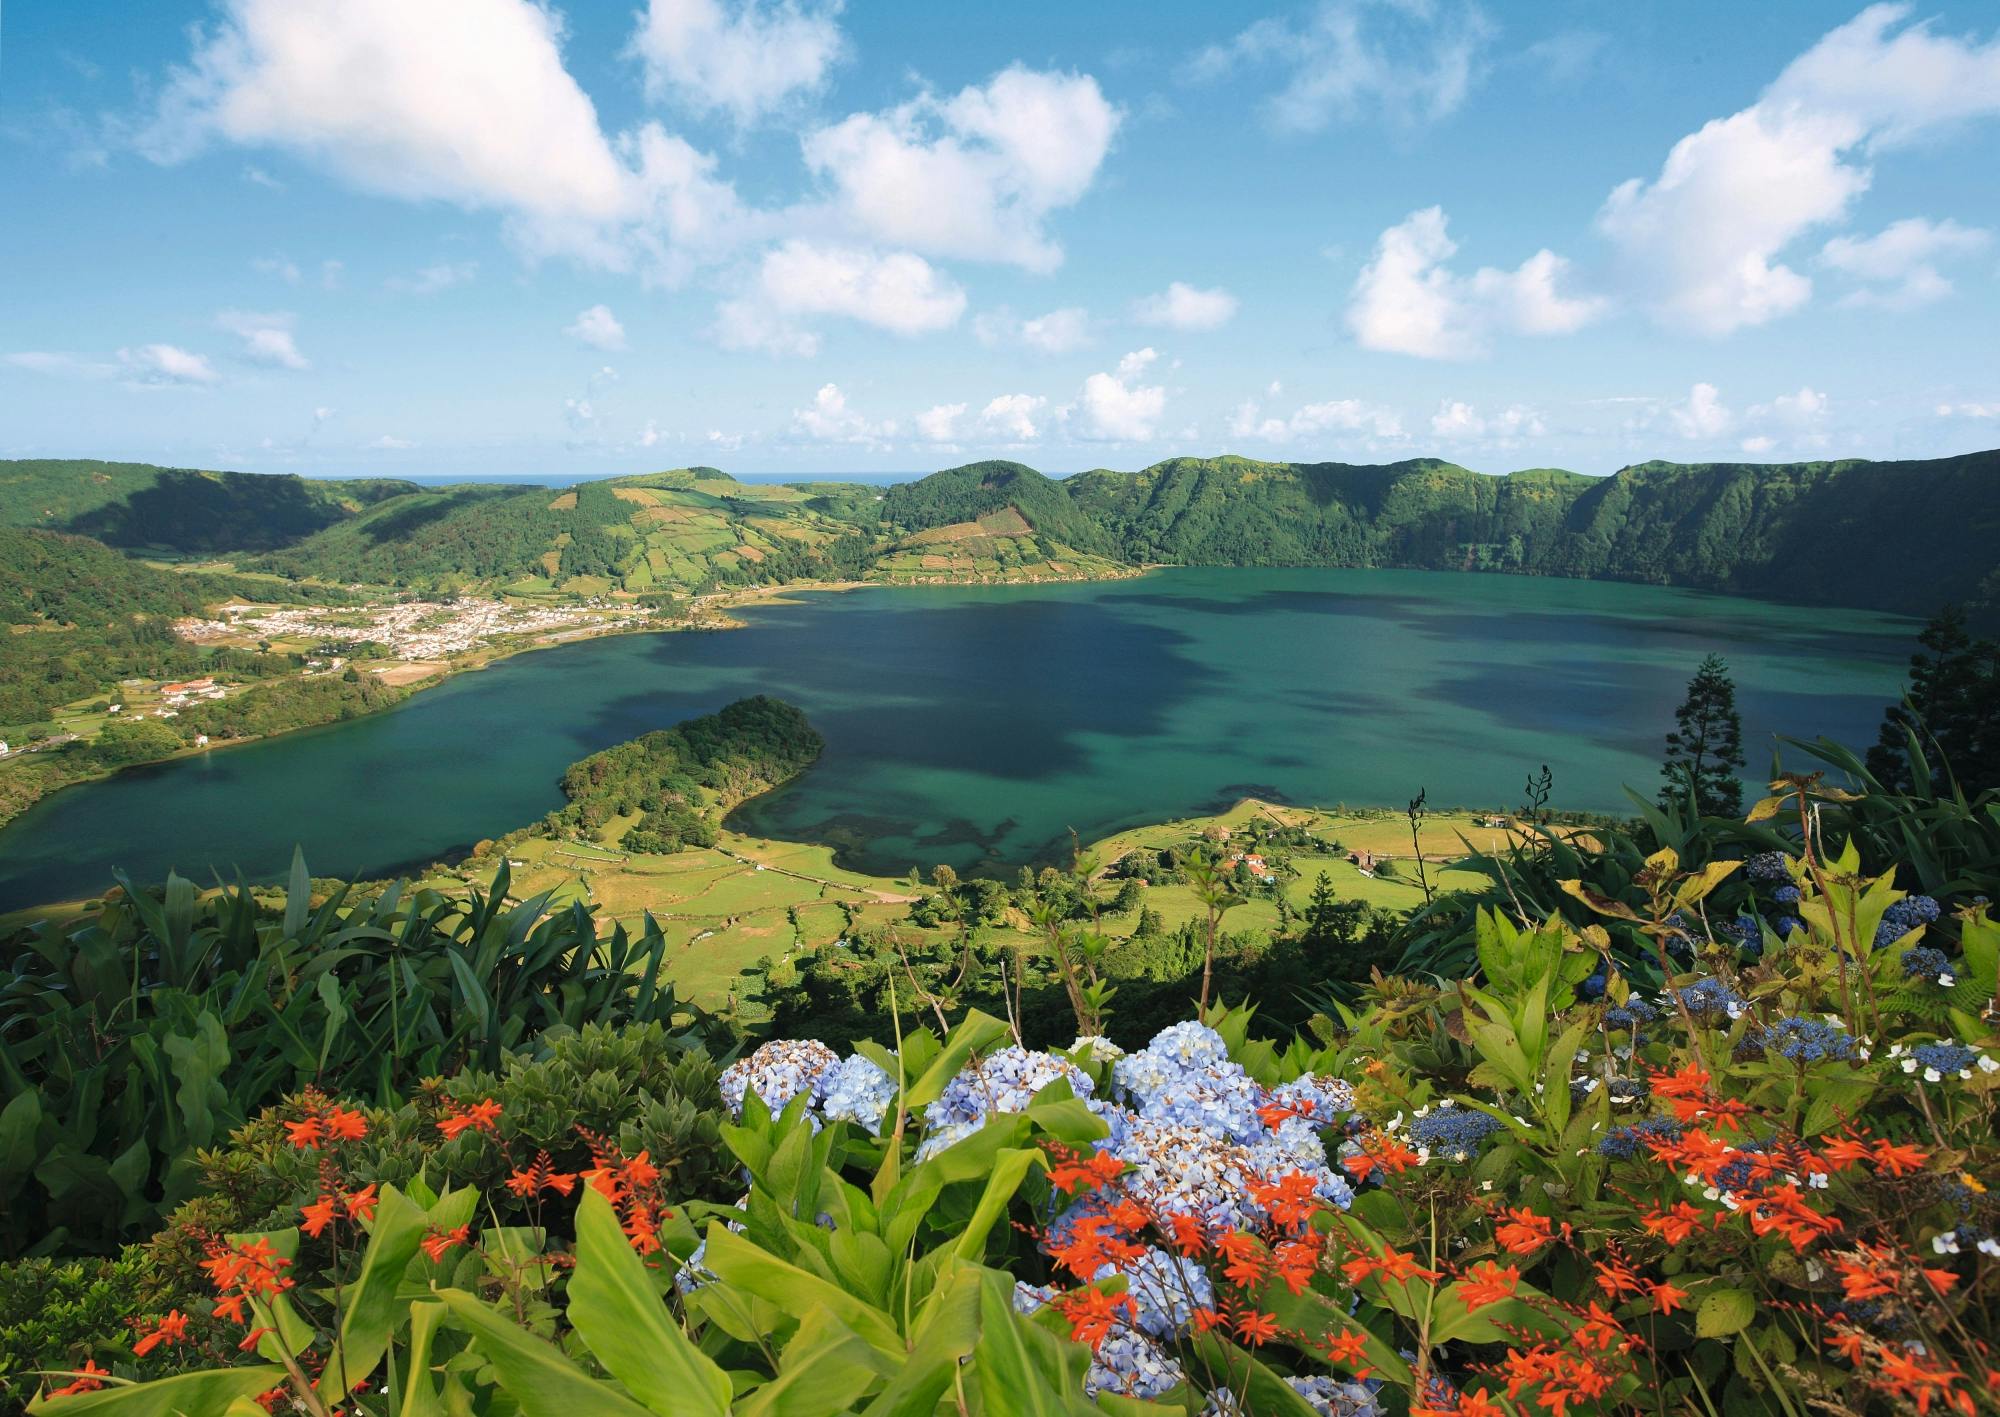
x=1762, y=1186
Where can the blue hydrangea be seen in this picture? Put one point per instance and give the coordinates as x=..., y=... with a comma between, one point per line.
x=1454, y=1133
x=777, y=1072
x=1768, y=866
x=856, y=1090
x=1788, y=925
x=1745, y=932
x=1593, y=987
x=1940, y=1060
x=1904, y=916
x=1786, y=894
x=1129, y=1363
x=1923, y=962
x=1166, y=1289
x=1807, y=1040
x=1711, y=1001
x=1005, y=1082
x=1630, y=1014
x=1322, y=1098
x=1624, y=1143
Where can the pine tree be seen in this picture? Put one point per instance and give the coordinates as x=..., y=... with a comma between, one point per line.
x=1706, y=747
x=1953, y=707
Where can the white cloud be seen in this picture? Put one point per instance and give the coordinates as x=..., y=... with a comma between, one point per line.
x=463, y=101
x=1704, y=242
x=597, y=326
x=1058, y=332
x=1406, y=62
x=1898, y=264
x=1702, y=415
x=1460, y=421
x=940, y=424
x=320, y=417
x=1313, y=419
x=267, y=338
x=727, y=442
x=744, y=58
x=1759, y=444
x=389, y=443
x=898, y=291
x=1117, y=407
x=166, y=364
x=432, y=279
x=1012, y=416
x=277, y=266
x=650, y=434
x=261, y=178
x=1182, y=307
x=1408, y=301
x=974, y=175
x=1968, y=410
x=830, y=420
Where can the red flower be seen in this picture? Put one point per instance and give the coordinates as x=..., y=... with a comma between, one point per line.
x=481, y=1116
x=343, y=1124
x=438, y=1242
x=1666, y=1298
x=170, y=1330
x=1479, y=1405
x=361, y=1204
x=305, y=1135
x=1525, y=1232
x=1674, y=1225
x=1255, y=1328
x=1488, y=1284
x=316, y=1217
x=542, y=1176
x=1348, y=1348
x=1092, y=1314
x=1899, y=1159
x=86, y=1380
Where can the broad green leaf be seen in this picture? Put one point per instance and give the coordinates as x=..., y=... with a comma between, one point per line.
x=948, y=1334
x=183, y=1396
x=1723, y=1312
x=535, y=1373
x=742, y=1265
x=420, y=1398
x=369, y=1308
x=1005, y=1180
x=620, y=1315
x=825, y=1368
x=1023, y=1370
x=976, y=1033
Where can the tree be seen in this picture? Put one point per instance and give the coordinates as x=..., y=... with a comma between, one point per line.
x=1706, y=747
x=1953, y=709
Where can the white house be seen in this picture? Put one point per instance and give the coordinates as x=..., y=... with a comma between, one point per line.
x=3, y=747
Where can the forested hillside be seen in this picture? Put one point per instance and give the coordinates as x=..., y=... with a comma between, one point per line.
x=180, y=510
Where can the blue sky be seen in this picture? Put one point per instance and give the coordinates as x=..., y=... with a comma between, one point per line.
x=488, y=237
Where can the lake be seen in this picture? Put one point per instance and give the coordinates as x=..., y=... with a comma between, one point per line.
x=976, y=726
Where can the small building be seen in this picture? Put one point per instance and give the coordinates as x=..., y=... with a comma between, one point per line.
x=201, y=740
x=116, y=708
x=3, y=748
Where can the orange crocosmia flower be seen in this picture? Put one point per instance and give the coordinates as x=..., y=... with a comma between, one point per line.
x=1843, y=1152
x=1487, y=1283
x=305, y=1135
x=230, y=1306
x=1255, y=1328
x=1359, y=1268
x=361, y=1204
x=1908, y=1376
x=1398, y=1265
x=253, y=1338
x=1690, y=1081
x=1348, y=1348
x=1478, y=1404
x=1674, y=1225
x=1190, y=1238
x=170, y=1330
x=1899, y=1159
x=639, y=1171
x=1524, y=1231
x=345, y=1124
x=605, y=1182
x=1783, y=1210
x=316, y=1217
x=1849, y=1344
x=1093, y=1314
x=1616, y=1278
x=1941, y=1279
x=642, y=1230
x=1667, y=1298
x=438, y=1243
x=1205, y=1319
x=87, y=1379
x=1599, y=1330
x=1247, y=1260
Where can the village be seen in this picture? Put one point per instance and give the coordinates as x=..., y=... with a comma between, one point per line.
x=410, y=630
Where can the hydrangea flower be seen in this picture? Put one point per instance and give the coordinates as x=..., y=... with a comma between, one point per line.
x=1768, y=866
x=1455, y=1133
x=856, y=1090
x=1630, y=1014
x=1129, y=1362
x=1005, y=1082
x=1167, y=1289
x=1904, y=916
x=1710, y=1001
x=1807, y=1040
x=1923, y=962
x=1938, y=1059
x=1624, y=1143
x=778, y=1072
x=1102, y=1049
x=1787, y=894
x=1789, y=924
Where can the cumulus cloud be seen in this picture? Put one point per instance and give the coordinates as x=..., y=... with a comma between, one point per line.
x=1968, y=410
x=1012, y=417
x=1347, y=59
x=939, y=424
x=829, y=420
x=974, y=175
x=746, y=59
x=597, y=327
x=1897, y=266
x=1702, y=415
x=1704, y=242
x=1459, y=421
x=267, y=338
x=897, y=291
x=1182, y=307
x=1118, y=407
x=166, y=364
x=1408, y=301
x=463, y=101
x=1061, y=331
x=1314, y=419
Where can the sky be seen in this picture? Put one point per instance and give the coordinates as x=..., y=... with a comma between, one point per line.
x=501, y=237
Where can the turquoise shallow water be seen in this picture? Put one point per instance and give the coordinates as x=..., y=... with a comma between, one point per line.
x=977, y=725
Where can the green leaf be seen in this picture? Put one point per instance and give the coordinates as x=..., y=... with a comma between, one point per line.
x=976, y=1033
x=948, y=1334
x=534, y=1373
x=1723, y=1312
x=369, y=1305
x=1023, y=1371
x=826, y=1367
x=742, y=1265
x=188, y=1393
x=420, y=1398
x=620, y=1315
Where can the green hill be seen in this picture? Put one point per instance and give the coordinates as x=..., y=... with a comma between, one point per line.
x=182, y=510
